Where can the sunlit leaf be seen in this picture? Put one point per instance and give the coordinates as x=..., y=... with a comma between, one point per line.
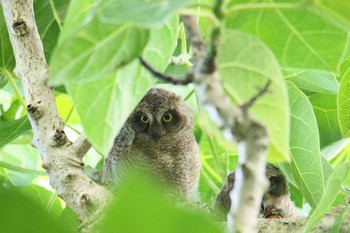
x=47, y=200
x=244, y=72
x=144, y=13
x=299, y=37
x=20, y=214
x=154, y=215
x=305, y=170
x=325, y=108
x=117, y=94
x=95, y=49
x=23, y=157
x=66, y=109
x=344, y=105
x=331, y=151
x=313, y=80
x=335, y=11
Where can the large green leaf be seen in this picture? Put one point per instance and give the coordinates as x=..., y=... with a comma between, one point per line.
x=344, y=105
x=48, y=200
x=141, y=208
x=313, y=80
x=104, y=104
x=20, y=214
x=305, y=170
x=335, y=11
x=93, y=49
x=144, y=13
x=330, y=195
x=10, y=130
x=245, y=64
x=325, y=108
x=298, y=36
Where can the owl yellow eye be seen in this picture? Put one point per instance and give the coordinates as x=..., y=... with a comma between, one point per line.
x=167, y=117
x=144, y=119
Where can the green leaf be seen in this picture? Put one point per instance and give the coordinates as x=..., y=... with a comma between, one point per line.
x=298, y=36
x=244, y=72
x=143, y=13
x=306, y=167
x=154, y=214
x=326, y=168
x=335, y=11
x=95, y=49
x=47, y=200
x=70, y=217
x=7, y=59
x=48, y=25
x=3, y=80
x=330, y=195
x=332, y=151
x=325, y=108
x=104, y=104
x=10, y=130
x=21, y=156
x=344, y=105
x=313, y=80
x=212, y=131
x=20, y=214
x=66, y=109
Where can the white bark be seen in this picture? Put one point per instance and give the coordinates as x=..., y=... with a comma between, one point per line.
x=60, y=158
x=252, y=137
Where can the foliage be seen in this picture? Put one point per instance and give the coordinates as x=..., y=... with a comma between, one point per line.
x=92, y=49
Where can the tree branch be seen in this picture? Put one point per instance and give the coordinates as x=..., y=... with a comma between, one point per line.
x=174, y=80
x=60, y=158
x=251, y=136
x=81, y=146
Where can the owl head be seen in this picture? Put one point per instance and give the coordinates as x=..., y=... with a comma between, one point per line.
x=160, y=113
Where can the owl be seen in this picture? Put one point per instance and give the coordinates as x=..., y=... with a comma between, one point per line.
x=276, y=202
x=157, y=139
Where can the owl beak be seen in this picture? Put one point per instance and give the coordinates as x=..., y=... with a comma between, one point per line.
x=156, y=135
x=155, y=132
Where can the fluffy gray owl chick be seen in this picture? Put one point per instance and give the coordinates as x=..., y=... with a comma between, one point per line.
x=157, y=138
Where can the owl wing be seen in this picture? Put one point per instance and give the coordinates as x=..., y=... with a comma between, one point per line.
x=121, y=148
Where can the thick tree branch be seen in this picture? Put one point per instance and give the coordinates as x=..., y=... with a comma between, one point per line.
x=60, y=158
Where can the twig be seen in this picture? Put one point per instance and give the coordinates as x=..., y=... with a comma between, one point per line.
x=81, y=146
x=252, y=100
x=176, y=81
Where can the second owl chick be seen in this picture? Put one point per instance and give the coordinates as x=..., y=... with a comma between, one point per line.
x=157, y=139
x=276, y=202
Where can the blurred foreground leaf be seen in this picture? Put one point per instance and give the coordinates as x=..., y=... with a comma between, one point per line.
x=140, y=208
x=20, y=214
